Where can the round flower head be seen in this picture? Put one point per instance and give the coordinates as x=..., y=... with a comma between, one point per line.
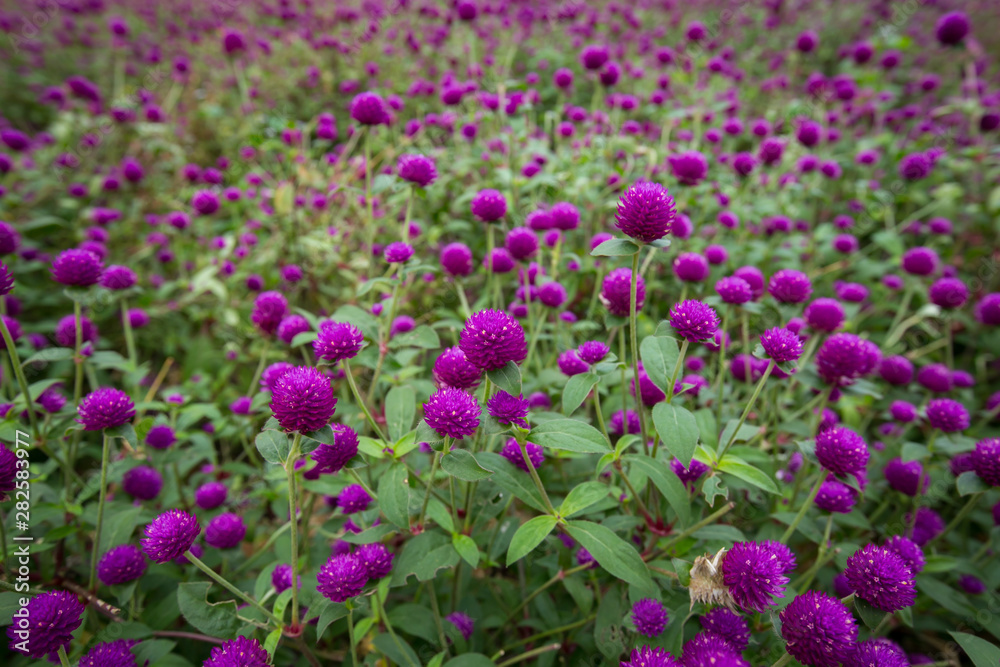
x=6, y=280
x=927, y=525
x=369, y=109
x=210, y=495
x=500, y=261
x=645, y=212
x=905, y=477
x=824, y=314
x=788, y=286
x=646, y=656
x=105, y=408
x=650, y=617
x=754, y=575
x=592, y=351
x=897, y=370
x=734, y=290
x=452, y=369
x=947, y=415
x=522, y=243
x=881, y=578
x=77, y=268
x=491, y=339
x=507, y=409
x=452, y=413
x=935, y=377
x=716, y=255
x=332, y=458
x=269, y=308
x=8, y=471
x=417, y=169
x=753, y=277
x=10, y=239
x=353, y=499
x=512, y=452
x=708, y=649
x=342, y=578
x=52, y=618
x=161, y=436
x=694, y=320
x=489, y=205
x=971, y=584
x=952, y=28
x=617, y=424
x=920, y=261
x=66, y=331
x=988, y=309
x=239, y=652
x=833, y=496
x=170, y=535
x=819, y=630
x=376, y=559
x=908, y=550
x=986, y=460
x=691, y=267
x=844, y=357
x=781, y=345
x=648, y=391
x=225, y=531
x=337, y=341
x=915, y=166
x=616, y=292
x=462, y=622
x=281, y=578
x=302, y=400
x=879, y=652
x=142, y=483
x=841, y=451
x=689, y=167
x=948, y=293
x=117, y=277
x=110, y=654
x=564, y=216
x=456, y=259
x=121, y=565
x=552, y=294
x=731, y=627
x=290, y=327
x=398, y=252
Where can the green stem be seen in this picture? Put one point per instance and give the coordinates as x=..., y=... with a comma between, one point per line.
x=749, y=406
x=63, y=659
x=962, y=513
x=783, y=660
x=530, y=654
x=547, y=633
x=229, y=587
x=677, y=369
x=105, y=462
x=881, y=625
x=805, y=508
x=430, y=481
x=437, y=617
x=900, y=314
x=361, y=402
x=22, y=382
x=635, y=346
x=369, y=205
x=77, y=359
x=600, y=415
x=638, y=500
x=260, y=367
x=406, y=217
x=350, y=635
x=292, y=517
x=534, y=473
x=707, y=521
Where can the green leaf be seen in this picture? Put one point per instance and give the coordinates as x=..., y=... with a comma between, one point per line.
x=303, y=338
x=740, y=468
x=969, y=482
x=513, y=480
x=360, y=318
x=612, y=553
x=945, y=595
x=869, y=614
x=394, y=495
x=466, y=548
x=126, y=432
x=273, y=446
x=528, y=536
x=576, y=390
x=713, y=488
x=462, y=464
x=609, y=636
x=118, y=526
x=311, y=441
x=581, y=497
x=400, y=409
x=423, y=556
x=371, y=535
x=507, y=378
x=214, y=620
x=571, y=435
x=981, y=652
x=423, y=337
x=470, y=660
x=397, y=650
x=615, y=248
x=678, y=429
x=49, y=355
x=271, y=642
x=332, y=612
x=746, y=432
x=659, y=356
x=666, y=482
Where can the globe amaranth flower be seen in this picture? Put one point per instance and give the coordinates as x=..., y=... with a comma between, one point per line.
x=690, y=474
x=269, y=308
x=210, y=495
x=927, y=525
x=117, y=277
x=105, y=408
x=8, y=471
x=142, y=482
x=66, y=331
x=512, y=452
x=290, y=327
x=986, y=460
x=947, y=415
x=882, y=578
x=689, y=167
x=452, y=369
x=376, y=559
x=971, y=584
x=877, y=651
x=920, y=261
x=694, y=320
x=646, y=656
x=51, y=619
x=844, y=357
x=161, y=436
x=646, y=212
x=908, y=550
x=731, y=627
x=650, y=617
x=77, y=268
x=819, y=630
x=170, y=535
x=302, y=400
x=342, y=578
x=462, y=622
x=281, y=578
x=915, y=166
x=417, y=169
x=903, y=411
x=691, y=267
x=522, y=243
x=896, y=370
x=948, y=293
x=6, y=280
x=552, y=294
x=616, y=292
x=564, y=216
x=489, y=205
x=452, y=413
x=952, y=28
x=754, y=574
x=507, y=409
x=398, y=252
x=734, y=290
x=790, y=286
x=935, y=377
x=499, y=261
x=824, y=314
x=649, y=393
x=905, y=477
x=121, y=565
x=353, y=499
x=337, y=341
x=456, y=259
x=592, y=352
x=841, y=451
x=781, y=345
x=239, y=652
x=111, y=654
x=369, y=109
x=331, y=458
x=708, y=649
x=491, y=339
x=835, y=496
x=988, y=309
x=620, y=420
x=225, y=531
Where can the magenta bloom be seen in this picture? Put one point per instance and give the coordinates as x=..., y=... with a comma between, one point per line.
x=920, y=261
x=908, y=550
x=947, y=415
x=491, y=339
x=694, y=320
x=332, y=458
x=452, y=413
x=239, y=652
x=841, y=451
x=489, y=205
x=650, y=657
x=592, y=351
x=650, y=617
x=522, y=243
x=948, y=293
x=142, y=483
x=452, y=369
x=417, y=169
x=210, y=495
x=290, y=327
x=53, y=616
x=117, y=277
x=734, y=290
x=110, y=654
x=353, y=499
x=881, y=578
x=877, y=651
x=376, y=559
x=225, y=531
x=121, y=565
x=269, y=308
x=905, y=477
x=507, y=409
x=369, y=109
x=952, y=28
x=788, y=286
x=512, y=452
x=342, y=578
x=161, y=436
x=689, y=167
x=337, y=341
x=456, y=259
x=691, y=267
x=754, y=574
x=824, y=314
x=105, y=408
x=844, y=357
x=834, y=496
x=986, y=460
x=616, y=292
x=781, y=345
x=302, y=400
x=707, y=649
x=462, y=622
x=645, y=212
x=77, y=268
x=170, y=535
x=398, y=252
x=731, y=627
x=819, y=630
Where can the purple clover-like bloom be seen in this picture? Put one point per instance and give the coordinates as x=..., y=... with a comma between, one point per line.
x=456, y=259
x=512, y=452
x=948, y=293
x=649, y=616
x=417, y=169
x=646, y=212
x=882, y=578
x=935, y=377
x=452, y=412
x=691, y=474
x=452, y=369
x=142, y=482
x=790, y=286
x=616, y=292
x=646, y=656
x=689, y=167
x=903, y=411
x=337, y=341
x=331, y=458
x=592, y=352
x=844, y=357
x=52, y=618
x=462, y=622
x=986, y=460
x=8, y=471
x=947, y=415
x=620, y=420
x=819, y=630
x=489, y=205
x=896, y=370
x=66, y=331
x=269, y=308
x=952, y=28
x=398, y=252
x=731, y=627
x=754, y=574
x=908, y=550
x=302, y=400
x=734, y=290
x=376, y=559
x=6, y=280
x=290, y=327
x=781, y=345
x=905, y=477
x=972, y=584
x=369, y=109
x=824, y=314
x=835, y=496
x=708, y=649
x=353, y=499
x=105, y=408
x=915, y=166
x=988, y=309
x=118, y=277
x=877, y=651
x=691, y=267
x=920, y=261
x=210, y=495
x=571, y=364
x=239, y=652
x=110, y=654
x=225, y=531
x=492, y=338
x=161, y=436
x=694, y=320
x=281, y=578
x=841, y=451
x=522, y=243
x=121, y=565
x=77, y=268
x=170, y=535
x=507, y=409
x=342, y=578
x=927, y=525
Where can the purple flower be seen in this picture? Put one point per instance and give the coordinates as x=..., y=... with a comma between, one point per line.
x=398, y=252
x=417, y=169
x=507, y=409
x=920, y=261
x=489, y=205
x=915, y=166
x=142, y=482
x=205, y=202
x=302, y=400
x=902, y=411
x=896, y=370
x=734, y=290
x=452, y=369
x=376, y=559
x=110, y=654
x=729, y=626
x=161, y=436
x=824, y=314
x=225, y=531
x=462, y=622
x=353, y=499
x=986, y=460
x=121, y=565
x=834, y=496
x=342, y=578
x=105, y=408
x=691, y=474
x=77, y=268
x=708, y=649
x=456, y=259
x=617, y=423
x=948, y=293
x=754, y=575
x=564, y=216
x=645, y=212
x=210, y=495
x=935, y=377
x=369, y=109
x=694, y=320
x=650, y=617
x=927, y=525
x=522, y=243
x=788, y=286
x=512, y=452
x=819, y=630
x=877, y=651
x=452, y=412
x=6, y=280
x=52, y=618
x=908, y=550
x=269, y=309
x=844, y=357
x=689, y=167
x=952, y=28
x=500, y=261
x=691, y=267
x=905, y=477
x=552, y=294
x=947, y=415
x=281, y=578
x=66, y=331
x=592, y=352
x=337, y=341
x=331, y=458
x=239, y=652
x=290, y=327
x=841, y=451
x=882, y=578
x=8, y=471
x=491, y=339
x=170, y=535
x=988, y=309
x=646, y=656
x=117, y=277
x=781, y=345
x=971, y=584
x=616, y=292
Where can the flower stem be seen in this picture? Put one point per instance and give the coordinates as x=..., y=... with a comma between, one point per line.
x=534, y=473
x=600, y=414
x=294, y=532
x=260, y=367
x=638, y=500
x=962, y=513
x=635, y=345
x=783, y=660
x=677, y=369
x=749, y=406
x=430, y=481
x=531, y=654
x=105, y=462
x=22, y=382
x=229, y=587
x=802, y=512
x=707, y=521
x=361, y=402
x=350, y=635
x=63, y=660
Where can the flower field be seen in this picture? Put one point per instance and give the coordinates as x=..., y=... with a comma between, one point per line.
x=500, y=332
